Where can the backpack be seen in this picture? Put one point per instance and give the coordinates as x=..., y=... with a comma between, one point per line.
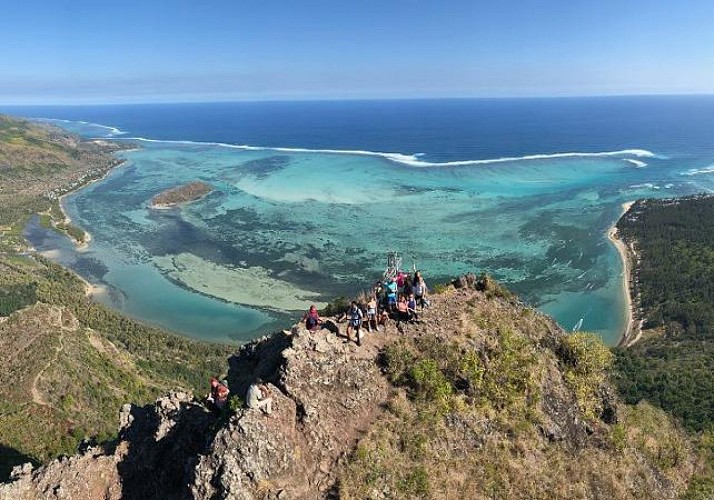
x=355, y=316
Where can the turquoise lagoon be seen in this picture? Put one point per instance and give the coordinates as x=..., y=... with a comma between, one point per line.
x=285, y=228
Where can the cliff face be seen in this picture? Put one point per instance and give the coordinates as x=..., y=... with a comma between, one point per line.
x=483, y=398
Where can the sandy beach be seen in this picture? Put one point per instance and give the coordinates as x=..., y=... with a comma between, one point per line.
x=632, y=328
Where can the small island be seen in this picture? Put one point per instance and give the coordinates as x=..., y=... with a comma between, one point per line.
x=179, y=195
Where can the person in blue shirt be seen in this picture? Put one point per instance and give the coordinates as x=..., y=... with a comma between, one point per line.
x=391, y=294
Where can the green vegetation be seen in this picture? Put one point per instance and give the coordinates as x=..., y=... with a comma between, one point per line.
x=675, y=277
x=37, y=165
x=336, y=307
x=182, y=194
x=586, y=361
x=471, y=405
x=672, y=366
x=67, y=364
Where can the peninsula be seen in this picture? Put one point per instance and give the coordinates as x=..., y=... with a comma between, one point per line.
x=180, y=195
x=483, y=398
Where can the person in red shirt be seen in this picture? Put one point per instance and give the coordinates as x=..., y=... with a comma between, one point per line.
x=312, y=319
x=218, y=397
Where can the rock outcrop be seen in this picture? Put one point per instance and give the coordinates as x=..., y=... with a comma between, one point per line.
x=334, y=401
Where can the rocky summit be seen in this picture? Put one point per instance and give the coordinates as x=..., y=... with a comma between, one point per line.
x=481, y=398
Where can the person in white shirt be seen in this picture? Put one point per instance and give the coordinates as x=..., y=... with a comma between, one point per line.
x=258, y=397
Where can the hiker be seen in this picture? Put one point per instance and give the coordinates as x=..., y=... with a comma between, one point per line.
x=354, y=316
x=380, y=293
x=391, y=294
x=218, y=396
x=411, y=308
x=402, y=312
x=401, y=277
x=258, y=397
x=372, y=315
x=420, y=290
x=382, y=318
x=312, y=319
x=408, y=287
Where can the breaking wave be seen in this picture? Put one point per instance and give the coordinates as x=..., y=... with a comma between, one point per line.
x=413, y=159
x=636, y=163
x=112, y=130
x=700, y=171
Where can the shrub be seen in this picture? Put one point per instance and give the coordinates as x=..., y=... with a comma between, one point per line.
x=416, y=482
x=337, y=306
x=585, y=360
x=429, y=382
x=493, y=288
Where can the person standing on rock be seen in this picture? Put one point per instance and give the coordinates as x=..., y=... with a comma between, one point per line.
x=420, y=290
x=391, y=294
x=372, y=315
x=258, y=397
x=411, y=308
x=312, y=319
x=354, y=317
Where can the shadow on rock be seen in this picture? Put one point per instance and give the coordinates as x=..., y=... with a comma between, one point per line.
x=162, y=442
x=9, y=458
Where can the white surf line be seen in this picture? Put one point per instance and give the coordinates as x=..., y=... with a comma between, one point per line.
x=113, y=130
x=411, y=160
x=637, y=163
x=406, y=159
x=700, y=171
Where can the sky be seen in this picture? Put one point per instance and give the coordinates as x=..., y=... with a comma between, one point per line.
x=110, y=51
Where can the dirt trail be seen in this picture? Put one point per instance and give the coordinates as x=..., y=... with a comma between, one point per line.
x=36, y=394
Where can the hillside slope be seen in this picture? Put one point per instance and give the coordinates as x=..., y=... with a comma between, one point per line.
x=38, y=164
x=482, y=399
x=67, y=364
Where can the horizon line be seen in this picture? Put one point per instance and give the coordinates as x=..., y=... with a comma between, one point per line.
x=357, y=99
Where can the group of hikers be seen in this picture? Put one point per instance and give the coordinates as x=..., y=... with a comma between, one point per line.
x=396, y=298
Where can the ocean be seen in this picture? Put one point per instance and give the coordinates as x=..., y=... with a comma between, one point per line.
x=309, y=196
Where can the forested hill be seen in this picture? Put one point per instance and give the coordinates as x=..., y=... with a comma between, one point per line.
x=672, y=366
x=674, y=281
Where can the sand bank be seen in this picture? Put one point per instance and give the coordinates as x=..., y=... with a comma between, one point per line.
x=632, y=331
x=250, y=286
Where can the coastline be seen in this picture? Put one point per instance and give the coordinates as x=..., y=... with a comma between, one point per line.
x=84, y=243
x=90, y=289
x=633, y=330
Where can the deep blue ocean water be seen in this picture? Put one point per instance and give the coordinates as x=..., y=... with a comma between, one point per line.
x=292, y=221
